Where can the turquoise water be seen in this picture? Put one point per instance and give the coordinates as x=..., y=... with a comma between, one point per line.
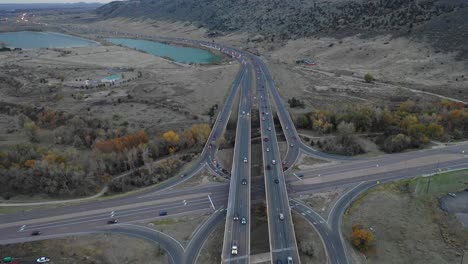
x=179, y=54
x=113, y=77
x=31, y=40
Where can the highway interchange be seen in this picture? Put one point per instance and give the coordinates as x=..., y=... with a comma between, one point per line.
x=224, y=201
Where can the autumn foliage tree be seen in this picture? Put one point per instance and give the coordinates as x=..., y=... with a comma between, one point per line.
x=361, y=238
x=122, y=143
x=171, y=137
x=200, y=132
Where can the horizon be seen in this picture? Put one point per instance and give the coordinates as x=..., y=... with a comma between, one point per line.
x=19, y=2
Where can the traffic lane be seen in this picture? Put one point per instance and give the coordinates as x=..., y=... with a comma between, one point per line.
x=232, y=230
x=173, y=248
x=283, y=243
x=202, y=234
x=388, y=175
x=100, y=221
x=365, y=168
x=243, y=200
x=67, y=219
x=273, y=205
x=331, y=240
x=111, y=203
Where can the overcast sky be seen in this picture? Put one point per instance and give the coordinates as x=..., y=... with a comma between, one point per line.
x=50, y=1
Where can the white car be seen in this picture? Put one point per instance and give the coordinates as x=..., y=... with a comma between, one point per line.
x=245, y=159
x=267, y=149
x=243, y=112
x=42, y=260
x=269, y=128
x=281, y=216
x=273, y=162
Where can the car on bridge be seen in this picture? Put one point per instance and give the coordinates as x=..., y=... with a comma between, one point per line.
x=234, y=248
x=244, y=182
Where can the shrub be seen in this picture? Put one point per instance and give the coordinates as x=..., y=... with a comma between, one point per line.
x=368, y=78
x=361, y=238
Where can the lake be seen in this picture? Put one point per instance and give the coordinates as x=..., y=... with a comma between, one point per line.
x=32, y=40
x=176, y=53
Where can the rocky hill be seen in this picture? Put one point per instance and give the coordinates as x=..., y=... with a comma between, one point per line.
x=443, y=22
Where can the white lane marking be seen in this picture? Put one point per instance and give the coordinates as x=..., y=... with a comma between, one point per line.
x=297, y=176
x=282, y=249
x=99, y=217
x=211, y=202
x=235, y=258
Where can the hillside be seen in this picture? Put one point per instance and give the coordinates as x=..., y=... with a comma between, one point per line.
x=442, y=22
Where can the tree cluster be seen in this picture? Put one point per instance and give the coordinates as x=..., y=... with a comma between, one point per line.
x=122, y=143
x=295, y=103
x=410, y=125
x=30, y=169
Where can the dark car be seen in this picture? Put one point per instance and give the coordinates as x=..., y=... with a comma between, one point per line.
x=268, y=167
x=162, y=213
x=112, y=221
x=276, y=181
x=285, y=168
x=35, y=233
x=265, y=139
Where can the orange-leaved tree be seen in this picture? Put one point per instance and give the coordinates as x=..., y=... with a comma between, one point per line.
x=361, y=238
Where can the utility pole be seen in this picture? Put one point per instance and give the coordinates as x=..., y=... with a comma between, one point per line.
x=430, y=177
x=428, y=184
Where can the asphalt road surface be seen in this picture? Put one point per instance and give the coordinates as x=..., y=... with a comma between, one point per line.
x=280, y=227
x=161, y=202
x=237, y=228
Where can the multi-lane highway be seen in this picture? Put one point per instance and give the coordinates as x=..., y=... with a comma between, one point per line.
x=236, y=245
x=160, y=202
x=283, y=245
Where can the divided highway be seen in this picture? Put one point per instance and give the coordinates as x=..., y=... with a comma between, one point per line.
x=236, y=245
x=161, y=202
x=283, y=246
